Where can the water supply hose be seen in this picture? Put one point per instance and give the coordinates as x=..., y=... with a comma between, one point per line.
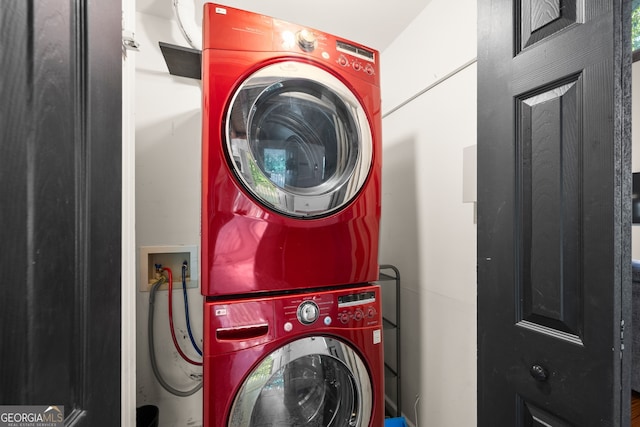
x=152, y=352
x=186, y=307
x=173, y=332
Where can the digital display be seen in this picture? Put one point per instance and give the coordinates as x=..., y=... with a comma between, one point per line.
x=356, y=51
x=356, y=299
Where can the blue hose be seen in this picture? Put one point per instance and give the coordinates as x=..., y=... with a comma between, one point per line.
x=186, y=307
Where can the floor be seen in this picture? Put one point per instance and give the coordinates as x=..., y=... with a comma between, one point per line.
x=635, y=409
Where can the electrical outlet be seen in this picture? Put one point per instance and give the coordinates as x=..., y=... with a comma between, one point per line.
x=171, y=257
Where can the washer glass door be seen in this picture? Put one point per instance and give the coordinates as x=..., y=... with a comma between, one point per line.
x=298, y=139
x=314, y=381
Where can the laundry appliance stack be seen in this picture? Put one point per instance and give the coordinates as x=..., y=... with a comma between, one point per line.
x=291, y=180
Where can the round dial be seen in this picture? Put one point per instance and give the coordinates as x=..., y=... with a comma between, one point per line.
x=306, y=40
x=308, y=312
x=344, y=317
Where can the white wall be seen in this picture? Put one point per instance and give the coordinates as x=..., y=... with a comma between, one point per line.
x=427, y=231
x=168, y=123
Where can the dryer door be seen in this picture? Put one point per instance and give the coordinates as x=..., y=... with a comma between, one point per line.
x=314, y=381
x=298, y=139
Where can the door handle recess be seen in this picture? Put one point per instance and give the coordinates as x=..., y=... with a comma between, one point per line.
x=242, y=332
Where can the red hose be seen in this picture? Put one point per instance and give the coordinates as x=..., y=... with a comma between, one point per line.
x=173, y=334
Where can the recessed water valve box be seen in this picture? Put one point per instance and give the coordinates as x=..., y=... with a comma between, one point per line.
x=171, y=257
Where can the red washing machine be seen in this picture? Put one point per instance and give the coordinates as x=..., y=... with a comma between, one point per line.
x=307, y=359
x=291, y=156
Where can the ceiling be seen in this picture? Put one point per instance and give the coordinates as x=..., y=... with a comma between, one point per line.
x=373, y=23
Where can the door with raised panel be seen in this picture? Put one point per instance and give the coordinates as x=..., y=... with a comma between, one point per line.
x=554, y=177
x=60, y=208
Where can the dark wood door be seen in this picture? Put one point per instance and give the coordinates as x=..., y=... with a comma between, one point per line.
x=554, y=177
x=60, y=208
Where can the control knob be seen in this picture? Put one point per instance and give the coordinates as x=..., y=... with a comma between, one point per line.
x=369, y=70
x=344, y=317
x=308, y=312
x=306, y=40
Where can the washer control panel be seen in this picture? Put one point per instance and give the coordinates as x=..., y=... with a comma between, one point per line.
x=352, y=308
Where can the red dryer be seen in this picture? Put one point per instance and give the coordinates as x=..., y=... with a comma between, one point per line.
x=308, y=359
x=291, y=171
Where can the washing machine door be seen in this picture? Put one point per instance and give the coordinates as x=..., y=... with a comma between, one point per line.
x=298, y=139
x=314, y=381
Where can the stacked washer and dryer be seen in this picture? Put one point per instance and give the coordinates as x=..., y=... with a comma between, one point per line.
x=290, y=222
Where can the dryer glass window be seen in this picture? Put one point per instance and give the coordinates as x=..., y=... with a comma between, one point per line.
x=298, y=139
x=325, y=385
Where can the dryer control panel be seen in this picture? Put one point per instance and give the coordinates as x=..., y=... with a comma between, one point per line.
x=228, y=28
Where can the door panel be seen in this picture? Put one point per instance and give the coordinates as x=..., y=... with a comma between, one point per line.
x=60, y=199
x=550, y=232
x=553, y=219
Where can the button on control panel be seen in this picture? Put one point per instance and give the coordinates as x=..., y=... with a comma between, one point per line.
x=357, y=315
x=358, y=307
x=358, y=58
x=356, y=64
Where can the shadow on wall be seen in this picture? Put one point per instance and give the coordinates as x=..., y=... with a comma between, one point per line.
x=168, y=180
x=399, y=246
